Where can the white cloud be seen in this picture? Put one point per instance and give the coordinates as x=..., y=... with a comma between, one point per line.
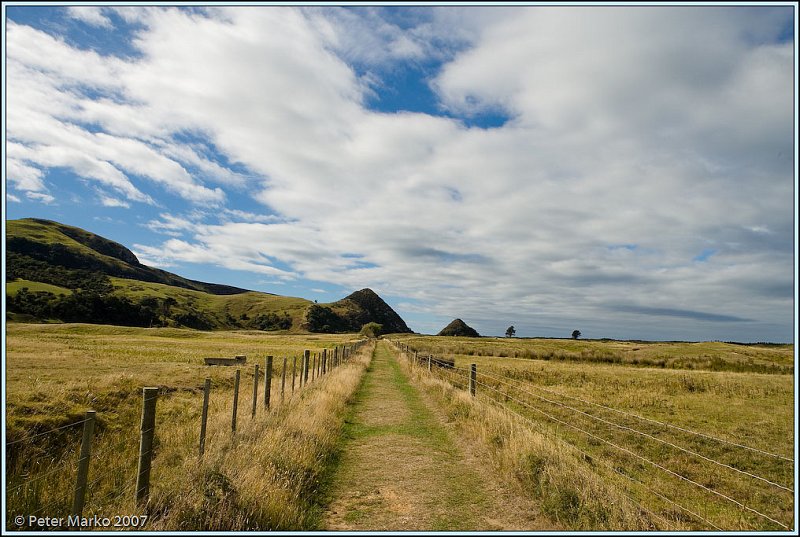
x=91, y=15
x=667, y=128
x=109, y=201
x=49, y=113
x=13, y=198
x=42, y=197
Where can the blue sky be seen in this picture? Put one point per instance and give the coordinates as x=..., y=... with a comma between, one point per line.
x=628, y=172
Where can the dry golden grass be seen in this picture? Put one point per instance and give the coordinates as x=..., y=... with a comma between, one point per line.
x=571, y=493
x=707, y=355
x=56, y=372
x=747, y=408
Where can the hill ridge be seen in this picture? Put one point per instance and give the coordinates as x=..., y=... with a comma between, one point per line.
x=105, y=278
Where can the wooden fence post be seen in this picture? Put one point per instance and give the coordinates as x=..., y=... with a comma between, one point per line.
x=204, y=418
x=294, y=371
x=314, y=367
x=304, y=372
x=429, y=363
x=235, y=400
x=255, y=391
x=268, y=382
x=324, y=361
x=83, y=464
x=473, y=375
x=148, y=427
x=283, y=379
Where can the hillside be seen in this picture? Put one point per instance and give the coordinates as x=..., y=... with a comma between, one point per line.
x=32, y=243
x=457, y=327
x=62, y=273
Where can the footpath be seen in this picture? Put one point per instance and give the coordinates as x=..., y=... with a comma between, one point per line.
x=402, y=468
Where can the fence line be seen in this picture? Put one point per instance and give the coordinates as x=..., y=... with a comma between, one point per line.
x=28, y=438
x=644, y=459
x=140, y=482
x=656, y=465
x=643, y=418
x=624, y=427
x=605, y=463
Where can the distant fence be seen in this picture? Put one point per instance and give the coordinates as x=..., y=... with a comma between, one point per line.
x=518, y=398
x=65, y=510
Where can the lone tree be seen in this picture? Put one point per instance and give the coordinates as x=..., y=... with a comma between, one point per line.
x=576, y=334
x=510, y=331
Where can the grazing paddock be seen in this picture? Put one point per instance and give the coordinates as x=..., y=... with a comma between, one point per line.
x=699, y=447
x=57, y=372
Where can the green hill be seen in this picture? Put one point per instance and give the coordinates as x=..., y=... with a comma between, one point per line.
x=62, y=273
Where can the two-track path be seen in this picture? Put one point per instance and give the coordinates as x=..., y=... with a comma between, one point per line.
x=404, y=468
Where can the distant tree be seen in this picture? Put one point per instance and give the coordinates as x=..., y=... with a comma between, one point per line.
x=510, y=331
x=576, y=334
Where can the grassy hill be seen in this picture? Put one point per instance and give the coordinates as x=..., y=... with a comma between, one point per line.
x=63, y=273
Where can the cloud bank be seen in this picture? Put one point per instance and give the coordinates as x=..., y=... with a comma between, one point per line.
x=641, y=184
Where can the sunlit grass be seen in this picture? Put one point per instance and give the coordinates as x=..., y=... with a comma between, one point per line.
x=56, y=372
x=571, y=402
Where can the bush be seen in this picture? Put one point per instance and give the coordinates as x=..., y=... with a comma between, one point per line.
x=371, y=330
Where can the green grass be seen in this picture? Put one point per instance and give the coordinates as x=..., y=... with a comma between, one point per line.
x=250, y=304
x=387, y=413
x=12, y=288
x=49, y=234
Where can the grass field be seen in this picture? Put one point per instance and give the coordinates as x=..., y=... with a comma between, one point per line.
x=57, y=372
x=570, y=422
x=709, y=355
x=593, y=407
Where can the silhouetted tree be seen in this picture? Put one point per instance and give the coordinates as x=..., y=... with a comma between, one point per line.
x=510, y=331
x=576, y=334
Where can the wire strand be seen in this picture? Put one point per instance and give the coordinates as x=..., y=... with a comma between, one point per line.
x=84, y=420
x=671, y=426
x=624, y=427
x=655, y=464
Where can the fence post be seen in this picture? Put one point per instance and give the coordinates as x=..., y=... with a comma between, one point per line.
x=148, y=427
x=294, y=371
x=473, y=374
x=204, y=418
x=83, y=464
x=324, y=361
x=336, y=356
x=304, y=372
x=314, y=367
x=255, y=391
x=235, y=400
x=429, y=363
x=283, y=379
x=268, y=382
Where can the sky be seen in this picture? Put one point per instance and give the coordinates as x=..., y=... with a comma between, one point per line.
x=625, y=171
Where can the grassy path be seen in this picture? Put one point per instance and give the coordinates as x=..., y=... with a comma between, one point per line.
x=402, y=469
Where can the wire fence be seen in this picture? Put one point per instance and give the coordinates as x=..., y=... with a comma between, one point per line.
x=40, y=489
x=630, y=449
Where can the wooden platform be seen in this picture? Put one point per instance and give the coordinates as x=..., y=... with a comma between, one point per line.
x=236, y=360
